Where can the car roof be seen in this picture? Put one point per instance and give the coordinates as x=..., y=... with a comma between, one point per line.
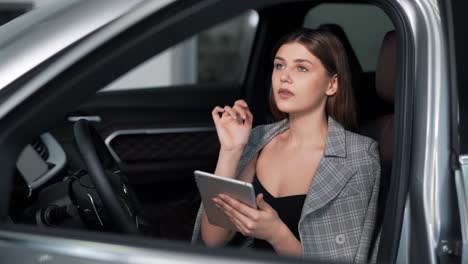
x=38, y=35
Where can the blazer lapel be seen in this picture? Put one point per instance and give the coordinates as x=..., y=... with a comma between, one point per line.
x=332, y=173
x=258, y=140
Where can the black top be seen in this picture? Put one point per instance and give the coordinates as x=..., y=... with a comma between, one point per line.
x=288, y=208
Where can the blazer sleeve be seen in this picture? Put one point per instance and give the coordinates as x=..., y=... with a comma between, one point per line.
x=196, y=234
x=369, y=241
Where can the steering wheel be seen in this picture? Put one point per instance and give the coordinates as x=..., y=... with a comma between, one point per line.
x=111, y=185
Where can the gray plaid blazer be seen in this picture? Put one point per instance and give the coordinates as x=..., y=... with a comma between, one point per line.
x=337, y=223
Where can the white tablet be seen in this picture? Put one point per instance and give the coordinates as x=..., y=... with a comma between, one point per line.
x=211, y=185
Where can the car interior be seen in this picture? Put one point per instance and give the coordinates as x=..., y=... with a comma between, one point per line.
x=145, y=142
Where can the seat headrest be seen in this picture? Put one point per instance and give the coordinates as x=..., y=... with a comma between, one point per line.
x=338, y=31
x=385, y=74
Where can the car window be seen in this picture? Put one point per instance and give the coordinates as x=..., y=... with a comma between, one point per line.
x=354, y=20
x=13, y=23
x=10, y=11
x=200, y=59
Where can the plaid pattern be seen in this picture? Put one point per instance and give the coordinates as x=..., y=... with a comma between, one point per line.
x=338, y=217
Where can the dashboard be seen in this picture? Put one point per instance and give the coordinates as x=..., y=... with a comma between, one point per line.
x=47, y=194
x=40, y=161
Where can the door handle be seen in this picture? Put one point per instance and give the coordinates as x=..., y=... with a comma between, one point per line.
x=95, y=118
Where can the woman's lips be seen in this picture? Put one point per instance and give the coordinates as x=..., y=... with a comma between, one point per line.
x=285, y=93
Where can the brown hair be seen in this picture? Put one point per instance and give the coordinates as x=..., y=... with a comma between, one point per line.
x=330, y=51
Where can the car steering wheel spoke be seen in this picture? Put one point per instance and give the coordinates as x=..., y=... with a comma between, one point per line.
x=119, y=201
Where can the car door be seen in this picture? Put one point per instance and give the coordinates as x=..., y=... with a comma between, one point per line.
x=457, y=246
x=129, y=115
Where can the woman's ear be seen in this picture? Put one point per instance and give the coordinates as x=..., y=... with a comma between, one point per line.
x=332, y=86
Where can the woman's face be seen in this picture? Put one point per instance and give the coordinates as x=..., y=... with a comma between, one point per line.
x=300, y=82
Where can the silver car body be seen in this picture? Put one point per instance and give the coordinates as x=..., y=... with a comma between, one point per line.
x=424, y=81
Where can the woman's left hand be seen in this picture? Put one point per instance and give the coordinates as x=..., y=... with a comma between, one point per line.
x=262, y=223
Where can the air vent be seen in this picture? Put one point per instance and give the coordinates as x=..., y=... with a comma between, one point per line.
x=41, y=149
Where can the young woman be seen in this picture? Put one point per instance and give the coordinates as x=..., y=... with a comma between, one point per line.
x=316, y=182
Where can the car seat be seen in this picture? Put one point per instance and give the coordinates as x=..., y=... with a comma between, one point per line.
x=381, y=128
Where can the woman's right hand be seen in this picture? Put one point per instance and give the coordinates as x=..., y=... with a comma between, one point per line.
x=233, y=126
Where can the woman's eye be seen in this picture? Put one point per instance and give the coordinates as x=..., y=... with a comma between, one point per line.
x=302, y=69
x=279, y=66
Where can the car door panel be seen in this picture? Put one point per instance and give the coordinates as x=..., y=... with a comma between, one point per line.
x=157, y=131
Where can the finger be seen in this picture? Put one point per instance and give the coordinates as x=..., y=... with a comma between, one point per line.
x=228, y=110
x=249, y=117
x=216, y=111
x=227, y=208
x=241, y=103
x=241, y=222
x=261, y=202
x=232, y=113
x=239, y=226
x=240, y=111
x=239, y=208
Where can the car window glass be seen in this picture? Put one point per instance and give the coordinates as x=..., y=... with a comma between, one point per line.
x=10, y=11
x=354, y=20
x=201, y=59
x=461, y=55
x=13, y=21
